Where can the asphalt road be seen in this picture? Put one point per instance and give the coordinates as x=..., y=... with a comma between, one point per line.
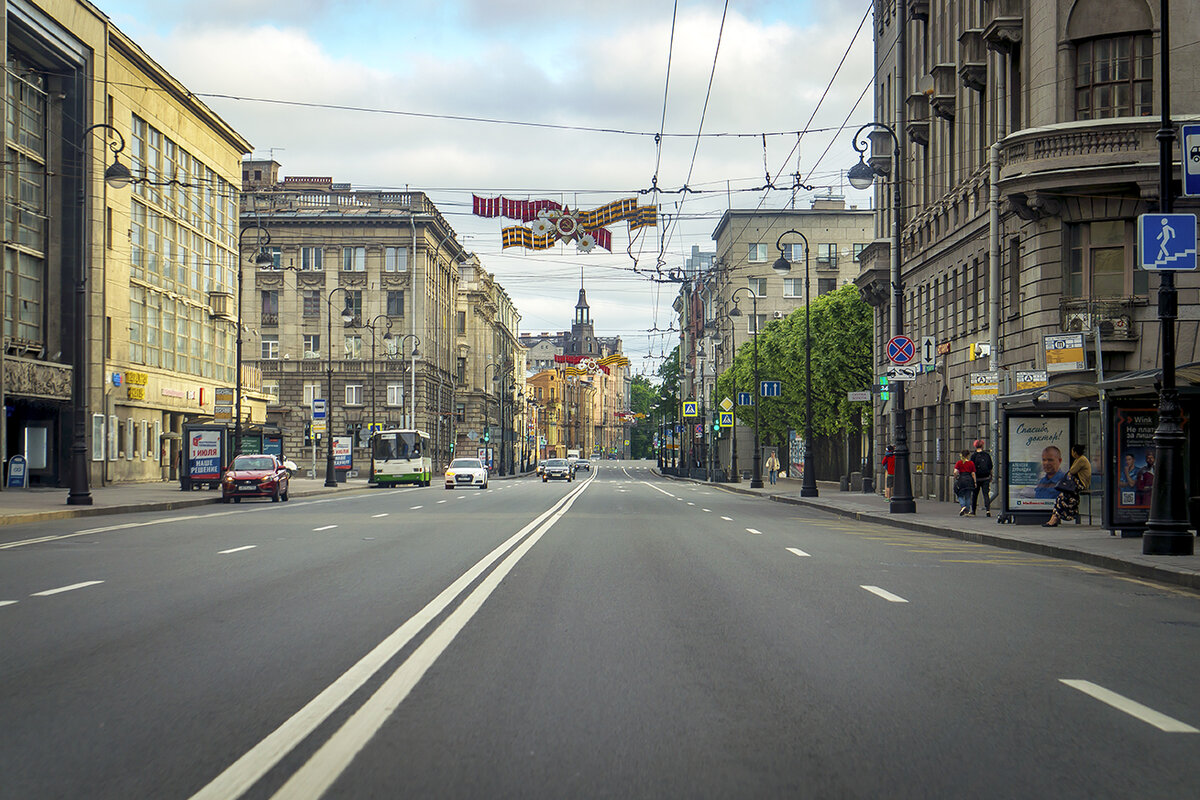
x=619, y=636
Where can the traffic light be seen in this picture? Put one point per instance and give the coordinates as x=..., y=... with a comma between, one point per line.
x=884, y=393
x=487, y=435
x=308, y=434
x=452, y=447
x=716, y=426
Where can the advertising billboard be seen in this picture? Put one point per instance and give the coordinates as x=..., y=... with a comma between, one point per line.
x=1133, y=445
x=204, y=455
x=341, y=452
x=1038, y=451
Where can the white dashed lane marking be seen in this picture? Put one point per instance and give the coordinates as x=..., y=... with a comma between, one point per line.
x=1130, y=707
x=377, y=516
x=62, y=589
x=414, y=508
x=727, y=519
x=8, y=602
x=885, y=594
x=798, y=552
x=325, y=528
x=237, y=549
x=755, y=532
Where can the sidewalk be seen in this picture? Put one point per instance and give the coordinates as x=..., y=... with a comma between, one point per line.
x=23, y=506
x=1087, y=544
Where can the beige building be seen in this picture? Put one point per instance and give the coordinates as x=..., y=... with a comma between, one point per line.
x=158, y=256
x=389, y=261
x=1069, y=93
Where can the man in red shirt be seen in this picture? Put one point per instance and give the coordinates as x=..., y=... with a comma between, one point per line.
x=889, y=465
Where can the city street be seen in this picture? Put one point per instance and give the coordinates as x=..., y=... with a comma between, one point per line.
x=622, y=635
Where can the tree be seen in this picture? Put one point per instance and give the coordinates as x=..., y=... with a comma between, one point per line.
x=641, y=401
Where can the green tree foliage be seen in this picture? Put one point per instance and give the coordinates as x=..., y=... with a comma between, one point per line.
x=642, y=397
x=841, y=363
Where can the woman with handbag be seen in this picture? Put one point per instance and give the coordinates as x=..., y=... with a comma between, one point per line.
x=964, y=483
x=1078, y=479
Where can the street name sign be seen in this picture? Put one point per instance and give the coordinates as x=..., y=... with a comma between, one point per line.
x=901, y=372
x=1191, y=160
x=1167, y=242
x=859, y=397
x=689, y=408
x=901, y=349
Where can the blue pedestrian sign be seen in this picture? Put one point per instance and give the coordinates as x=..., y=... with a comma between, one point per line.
x=1167, y=241
x=744, y=399
x=689, y=408
x=1191, y=160
x=771, y=389
x=726, y=419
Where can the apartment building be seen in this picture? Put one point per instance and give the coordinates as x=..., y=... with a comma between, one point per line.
x=153, y=254
x=361, y=292
x=1069, y=93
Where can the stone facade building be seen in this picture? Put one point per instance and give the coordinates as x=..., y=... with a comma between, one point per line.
x=156, y=258
x=1027, y=132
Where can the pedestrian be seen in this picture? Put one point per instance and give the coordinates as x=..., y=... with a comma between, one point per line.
x=982, y=460
x=1078, y=479
x=772, y=467
x=964, y=483
x=889, y=468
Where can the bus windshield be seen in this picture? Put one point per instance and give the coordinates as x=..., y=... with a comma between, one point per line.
x=396, y=445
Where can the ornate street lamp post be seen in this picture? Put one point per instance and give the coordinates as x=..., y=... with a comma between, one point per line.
x=861, y=176
x=347, y=317
x=261, y=261
x=412, y=395
x=756, y=476
x=372, y=326
x=117, y=176
x=809, y=487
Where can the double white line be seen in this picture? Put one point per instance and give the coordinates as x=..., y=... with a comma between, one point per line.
x=324, y=767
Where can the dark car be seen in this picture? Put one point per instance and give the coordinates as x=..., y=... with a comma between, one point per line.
x=558, y=469
x=258, y=475
x=583, y=463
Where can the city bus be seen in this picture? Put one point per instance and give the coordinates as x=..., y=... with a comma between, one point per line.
x=401, y=456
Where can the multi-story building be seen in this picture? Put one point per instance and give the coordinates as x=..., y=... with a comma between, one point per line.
x=386, y=261
x=489, y=370
x=154, y=260
x=745, y=252
x=1053, y=105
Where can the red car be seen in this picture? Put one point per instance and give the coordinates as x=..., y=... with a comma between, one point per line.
x=255, y=476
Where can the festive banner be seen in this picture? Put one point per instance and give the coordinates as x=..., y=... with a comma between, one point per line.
x=553, y=222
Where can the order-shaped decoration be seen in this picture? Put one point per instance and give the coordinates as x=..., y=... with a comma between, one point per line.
x=551, y=222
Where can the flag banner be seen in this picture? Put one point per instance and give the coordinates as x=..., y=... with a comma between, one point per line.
x=553, y=222
x=517, y=236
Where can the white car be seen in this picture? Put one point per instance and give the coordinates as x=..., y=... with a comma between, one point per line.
x=464, y=472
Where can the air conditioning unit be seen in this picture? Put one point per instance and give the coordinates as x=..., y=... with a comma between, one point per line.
x=1075, y=321
x=778, y=315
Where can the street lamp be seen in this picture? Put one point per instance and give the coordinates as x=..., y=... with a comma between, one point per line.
x=809, y=487
x=261, y=261
x=861, y=176
x=371, y=326
x=486, y=411
x=756, y=477
x=347, y=317
x=412, y=395
x=117, y=176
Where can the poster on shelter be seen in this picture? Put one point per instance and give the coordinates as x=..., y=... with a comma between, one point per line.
x=1134, y=440
x=204, y=455
x=1037, y=458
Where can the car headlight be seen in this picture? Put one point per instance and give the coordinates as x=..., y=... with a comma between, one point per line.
x=449, y=474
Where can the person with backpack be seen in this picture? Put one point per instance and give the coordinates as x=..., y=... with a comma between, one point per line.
x=983, y=478
x=964, y=483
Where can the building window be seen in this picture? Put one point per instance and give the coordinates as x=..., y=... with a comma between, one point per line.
x=271, y=390
x=758, y=286
x=395, y=303
x=276, y=255
x=462, y=321
x=354, y=302
x=794, y=252
x=270, y=348
x=757, y=252
x=312, y=345
x=391, y=345
x=312, y=259
x=354, y=394
x=793, y=287
x=858, y=248
x=826, y=285
x=827, y=255
x=395, y=394
x=270, y=306
x=1114, y=77
x=1099, y=261
x=460, y=413
x=395, y=259
x=462, y=371
x=354, y=259
x=353, y=346
x=312, y=391
x=312, y=303
x=755, y=322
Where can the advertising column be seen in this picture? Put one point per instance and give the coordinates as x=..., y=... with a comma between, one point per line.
x=1037, y=453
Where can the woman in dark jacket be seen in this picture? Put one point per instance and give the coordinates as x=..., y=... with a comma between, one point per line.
x=1078, y=479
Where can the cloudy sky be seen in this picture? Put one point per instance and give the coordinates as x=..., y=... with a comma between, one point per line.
x=540, y=100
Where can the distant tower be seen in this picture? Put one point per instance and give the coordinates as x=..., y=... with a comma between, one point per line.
x=583, y=335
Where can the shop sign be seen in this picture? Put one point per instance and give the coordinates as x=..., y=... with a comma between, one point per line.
x=136, y=392
x=178, y=394
x=137, y=378
x=18, y=473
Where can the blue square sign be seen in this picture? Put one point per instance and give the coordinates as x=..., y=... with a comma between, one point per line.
x=1167, y=241
x=1191, y=160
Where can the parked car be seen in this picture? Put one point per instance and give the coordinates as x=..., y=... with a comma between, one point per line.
x=259, y=475
x=584, y=463
x=466, y=472
x=558, y=469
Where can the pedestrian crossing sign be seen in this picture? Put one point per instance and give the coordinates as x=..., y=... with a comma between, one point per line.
x=689, y=409
x=726, y=419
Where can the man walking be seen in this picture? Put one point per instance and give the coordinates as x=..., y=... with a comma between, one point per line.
x=983, y=478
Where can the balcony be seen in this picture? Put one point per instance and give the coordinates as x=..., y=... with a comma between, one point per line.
x=270, y=319
x=972, y=70
x=1114, y=317
x=917, y=105
x=1005, y=20
x=945, y=90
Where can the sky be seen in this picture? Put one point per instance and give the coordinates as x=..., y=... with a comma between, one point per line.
x=557, y=101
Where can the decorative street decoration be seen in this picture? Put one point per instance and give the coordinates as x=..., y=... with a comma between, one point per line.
x=577, y=365
x=552, y=222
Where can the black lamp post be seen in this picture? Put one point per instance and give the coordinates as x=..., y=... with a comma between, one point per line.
x=809, y=487
x=412, y=395
x=261, y=261
x=387, y=321
x=347, y=317
x=1167, y=528
x=487, y=414
x=117, y=176
x=861, y=176
x=756, y=476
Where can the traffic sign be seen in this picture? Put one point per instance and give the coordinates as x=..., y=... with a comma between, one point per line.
x=902, y=372
x=1191, y=160
x=318, y=408
x=726, y=404
x=985, y=385
x=1167, y=241
x=318, y=426
x=689, y=408
x=744, y=399
x=859, y=397
x=771, y=389
x=726, y=419
x=928, y=351
x=901, y=349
